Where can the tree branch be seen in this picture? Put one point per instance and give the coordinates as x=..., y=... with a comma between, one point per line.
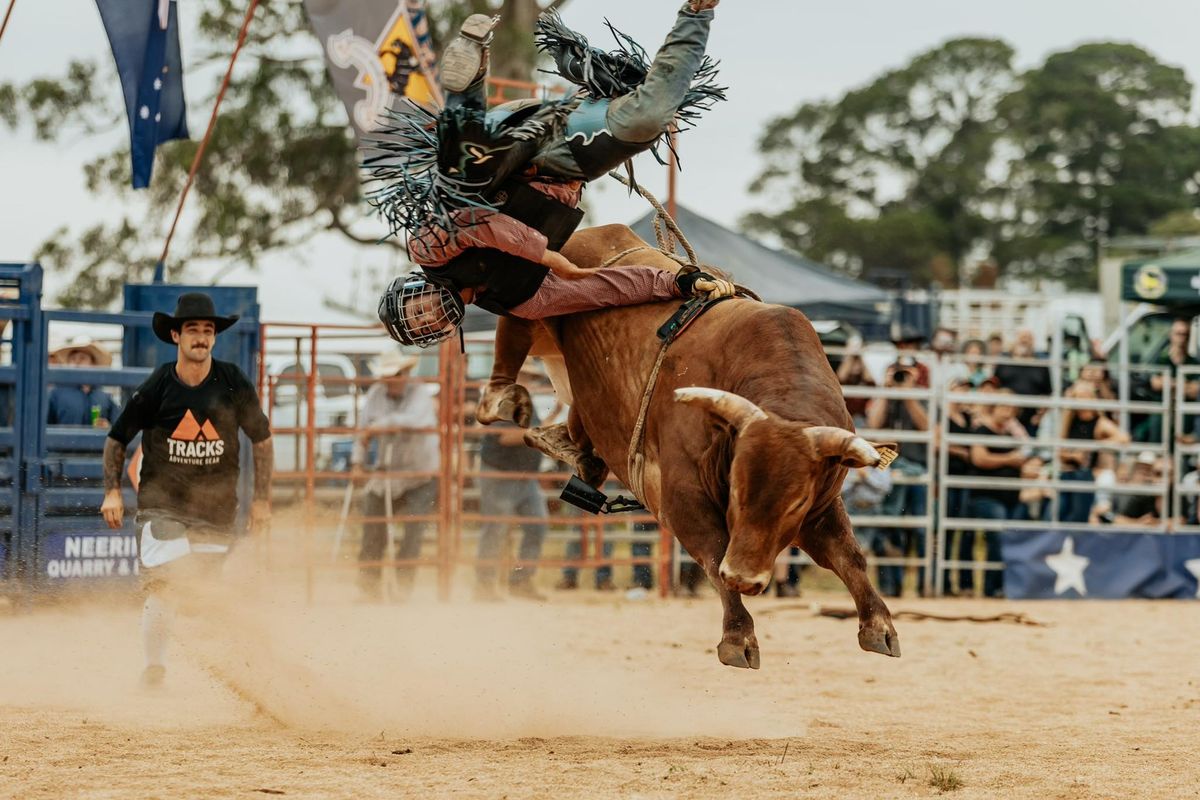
x=337, y=224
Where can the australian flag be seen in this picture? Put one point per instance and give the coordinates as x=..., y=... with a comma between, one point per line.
x=144, y=35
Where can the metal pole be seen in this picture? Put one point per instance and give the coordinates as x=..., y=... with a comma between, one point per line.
x=7, y=14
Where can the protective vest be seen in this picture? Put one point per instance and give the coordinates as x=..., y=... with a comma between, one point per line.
x=502, y=281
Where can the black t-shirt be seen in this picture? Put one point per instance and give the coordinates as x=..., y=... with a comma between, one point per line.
x=957, y=465
x=190, y=441
x=1009, y=497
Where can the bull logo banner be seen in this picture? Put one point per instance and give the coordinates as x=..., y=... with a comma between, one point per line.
x=377, y=52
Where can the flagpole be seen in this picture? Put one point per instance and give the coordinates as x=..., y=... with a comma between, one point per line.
x=7, y=14
x=160, y=268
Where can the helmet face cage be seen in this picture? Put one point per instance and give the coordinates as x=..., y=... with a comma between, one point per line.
x=417, y=312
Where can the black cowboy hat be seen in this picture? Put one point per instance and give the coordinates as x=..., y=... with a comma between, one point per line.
x=191, y=305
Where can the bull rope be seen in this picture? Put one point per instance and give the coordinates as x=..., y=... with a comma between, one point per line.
x=662, y=217
x=635, y=460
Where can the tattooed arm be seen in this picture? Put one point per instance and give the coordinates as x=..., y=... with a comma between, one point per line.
x=264, y=466
x=113, y=508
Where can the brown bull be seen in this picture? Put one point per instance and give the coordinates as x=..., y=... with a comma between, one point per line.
x=747, y=437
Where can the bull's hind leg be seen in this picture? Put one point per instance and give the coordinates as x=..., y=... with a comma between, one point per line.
x=830, y=541
x=705, y=537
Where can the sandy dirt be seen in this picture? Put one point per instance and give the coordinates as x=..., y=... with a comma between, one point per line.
x=594, y=696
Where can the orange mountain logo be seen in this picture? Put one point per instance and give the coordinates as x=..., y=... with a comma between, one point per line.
x=189, y=430
x=195, y=443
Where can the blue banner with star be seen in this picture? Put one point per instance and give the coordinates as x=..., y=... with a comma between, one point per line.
x=1106, y=565
x=144, y=35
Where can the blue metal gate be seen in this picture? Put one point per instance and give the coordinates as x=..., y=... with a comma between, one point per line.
x=51, y=477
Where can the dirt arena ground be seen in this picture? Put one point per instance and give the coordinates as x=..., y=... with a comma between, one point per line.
x=596, y=696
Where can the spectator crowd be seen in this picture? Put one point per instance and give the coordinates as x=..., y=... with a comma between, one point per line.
x=994, y=391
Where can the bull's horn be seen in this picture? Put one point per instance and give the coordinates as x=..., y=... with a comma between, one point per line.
x=733, y=408
x=853, y=450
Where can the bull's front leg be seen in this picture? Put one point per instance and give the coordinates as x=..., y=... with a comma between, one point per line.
x=703, y=534
x=830, y=541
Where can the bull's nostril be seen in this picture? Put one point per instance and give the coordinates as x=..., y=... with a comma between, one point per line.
x=758, y=587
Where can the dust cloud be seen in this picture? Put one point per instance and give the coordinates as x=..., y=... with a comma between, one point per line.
x=254, y=649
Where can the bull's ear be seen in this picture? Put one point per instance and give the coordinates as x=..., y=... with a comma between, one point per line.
x=733, y=408
x=849, y=448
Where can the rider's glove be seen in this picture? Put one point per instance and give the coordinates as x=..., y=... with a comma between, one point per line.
x=695, y=283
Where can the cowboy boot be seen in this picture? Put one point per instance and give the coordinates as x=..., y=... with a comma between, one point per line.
x=465, y=60
x=503, y=398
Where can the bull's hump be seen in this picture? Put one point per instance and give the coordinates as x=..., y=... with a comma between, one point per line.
x=592, y=247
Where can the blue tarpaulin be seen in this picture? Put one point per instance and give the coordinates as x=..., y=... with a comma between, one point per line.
x=1107, y=565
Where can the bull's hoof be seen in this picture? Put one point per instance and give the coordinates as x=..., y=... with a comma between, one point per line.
x=879, y=639
x=592, y=470
x=743, y=654
x=510, y=403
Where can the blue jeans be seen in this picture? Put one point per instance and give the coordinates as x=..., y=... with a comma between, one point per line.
x=510, y=498
x=417, y=500
x=957, y=503
x=640, y=116
x=993, y=579
x=908, y=500
x=1075, y=506
x=603, y=573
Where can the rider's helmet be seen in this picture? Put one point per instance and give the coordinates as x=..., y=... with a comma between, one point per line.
x=417, y=312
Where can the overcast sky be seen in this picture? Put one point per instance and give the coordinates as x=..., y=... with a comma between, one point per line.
x=775, y=55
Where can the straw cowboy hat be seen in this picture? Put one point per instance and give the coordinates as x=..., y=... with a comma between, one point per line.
x=393, y=362
x=81, y=344
x=190, y=306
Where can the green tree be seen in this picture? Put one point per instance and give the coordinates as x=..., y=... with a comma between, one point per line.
x=894, y=173
x=281, y=165
x=955, y=158
x=1104, y=149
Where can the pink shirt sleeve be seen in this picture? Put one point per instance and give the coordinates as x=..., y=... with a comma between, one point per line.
x=478, y=228
x=604, y=288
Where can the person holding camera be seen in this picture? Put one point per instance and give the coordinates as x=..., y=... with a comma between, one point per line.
x=853, y=372
x=905, y=499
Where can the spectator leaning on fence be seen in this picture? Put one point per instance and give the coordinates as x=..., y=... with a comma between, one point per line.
x=80, y=404
x=393, y=407
x=988, y=502
x=189, y=413
x=1089, y=425
x=905, y=499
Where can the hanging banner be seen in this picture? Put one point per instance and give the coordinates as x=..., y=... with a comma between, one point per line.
x=377, y=51
x=144, y=35
x=1094, y=564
